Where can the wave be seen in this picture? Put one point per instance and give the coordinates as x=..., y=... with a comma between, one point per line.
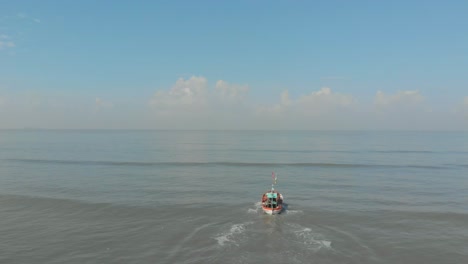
x=223, y=163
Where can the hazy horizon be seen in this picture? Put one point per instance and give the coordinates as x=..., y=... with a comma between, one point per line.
x=220, y=130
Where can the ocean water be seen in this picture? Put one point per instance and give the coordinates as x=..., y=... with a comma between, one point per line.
x=193, y=197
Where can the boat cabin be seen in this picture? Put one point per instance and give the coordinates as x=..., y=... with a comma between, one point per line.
x=271, y=200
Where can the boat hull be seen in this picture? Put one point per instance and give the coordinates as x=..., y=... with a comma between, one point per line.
x=270, y=211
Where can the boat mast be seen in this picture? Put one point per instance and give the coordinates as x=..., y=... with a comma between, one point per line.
x=274, y=178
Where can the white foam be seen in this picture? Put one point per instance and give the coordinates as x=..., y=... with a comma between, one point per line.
x=222, y=240
x=230, y=236
x=294, y=211
x=326, y=243
x=308, y=238
x=255, y=210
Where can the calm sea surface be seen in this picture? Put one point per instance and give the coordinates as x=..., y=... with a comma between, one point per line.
x=193, y=197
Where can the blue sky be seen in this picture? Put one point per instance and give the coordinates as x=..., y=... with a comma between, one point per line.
x=103, y=61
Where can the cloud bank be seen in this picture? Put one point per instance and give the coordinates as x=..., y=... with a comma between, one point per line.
x=400, y=98
x=197, y=103
x=194, y=103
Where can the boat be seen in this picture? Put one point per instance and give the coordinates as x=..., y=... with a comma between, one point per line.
x=272, y=200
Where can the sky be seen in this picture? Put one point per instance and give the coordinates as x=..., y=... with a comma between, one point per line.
x=318, y=65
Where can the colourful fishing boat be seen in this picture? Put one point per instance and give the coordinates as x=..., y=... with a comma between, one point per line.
x=272, y=200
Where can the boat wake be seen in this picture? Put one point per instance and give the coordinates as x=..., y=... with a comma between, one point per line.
x=311, y=240
x=293, y=212
x=233, y=235
x=256, y=209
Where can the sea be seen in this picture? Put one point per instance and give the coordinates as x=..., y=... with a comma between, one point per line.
x=162, y=196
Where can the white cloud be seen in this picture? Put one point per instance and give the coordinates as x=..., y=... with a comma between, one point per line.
x=465, y=101
x=231, y=92
x=400, y=98
x=7, y=41
x=6, y=44
x=406, y=109
x=315, y=103
x=194, y=94
x=322, y=109
x=101, y=104
x=192, y=103
x=284, y=98
x=278, y=109
x=26, y=16
x=324, y=100
x=184, y=95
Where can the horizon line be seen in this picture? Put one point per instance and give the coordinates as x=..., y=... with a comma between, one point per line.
x=253, y=130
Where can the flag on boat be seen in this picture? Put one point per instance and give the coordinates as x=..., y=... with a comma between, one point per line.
x=273, y=177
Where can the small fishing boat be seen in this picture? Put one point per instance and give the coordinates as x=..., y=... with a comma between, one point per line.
x=272, y=200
